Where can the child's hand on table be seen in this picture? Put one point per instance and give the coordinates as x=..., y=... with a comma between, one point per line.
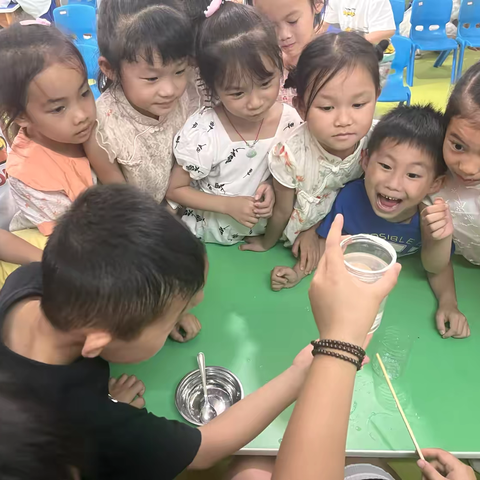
x=284, y=277
x=458, y=323
x=127, y=389
x=264, y=201
x=307, y=247
x=438, y=220
x=187, y=328
x=444, y=465
x=242, y=210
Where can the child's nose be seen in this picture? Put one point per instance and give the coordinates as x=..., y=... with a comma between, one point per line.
x=254, y=102
x=167, y=89
x=343, y=118
x=468, y=168
x=283, y=33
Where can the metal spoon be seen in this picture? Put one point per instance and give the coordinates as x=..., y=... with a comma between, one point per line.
x=207, y=413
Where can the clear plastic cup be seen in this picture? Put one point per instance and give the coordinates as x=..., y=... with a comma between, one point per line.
x=368, y=258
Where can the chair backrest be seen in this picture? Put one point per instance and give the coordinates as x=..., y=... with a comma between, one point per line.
x=90, y=3
x=77, y=21
x=90, y=54
x=469, y=19
x=398, y=8
x=429, y=18
x=403, y=49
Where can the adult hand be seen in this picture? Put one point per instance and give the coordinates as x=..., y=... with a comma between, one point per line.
x=264, y=201
x=438, y=220
x=344, y=307
x=127, y=389
x=444, y=465
x=241, y=209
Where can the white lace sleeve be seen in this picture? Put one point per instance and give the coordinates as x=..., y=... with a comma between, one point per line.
x=36, y=208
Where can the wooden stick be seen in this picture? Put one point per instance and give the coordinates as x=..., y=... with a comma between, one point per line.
x=400, y=409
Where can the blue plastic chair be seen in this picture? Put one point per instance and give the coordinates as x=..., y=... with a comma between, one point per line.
x=427, y=14
x=90, y=3
x=394, y=89
x=90, y=55
x=79, y=22
x=468, y=34
x=398, y=8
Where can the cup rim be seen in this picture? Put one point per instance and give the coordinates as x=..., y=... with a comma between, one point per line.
x=379, y=241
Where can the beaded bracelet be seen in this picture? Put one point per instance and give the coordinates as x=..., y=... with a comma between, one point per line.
x=330, y=353
x=338, y=345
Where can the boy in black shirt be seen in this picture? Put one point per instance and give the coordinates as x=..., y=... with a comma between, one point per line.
x=116, y=275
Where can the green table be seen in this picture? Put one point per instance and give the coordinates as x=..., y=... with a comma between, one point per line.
x=256, y=333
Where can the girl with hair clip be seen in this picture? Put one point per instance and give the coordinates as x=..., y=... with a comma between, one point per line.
x=146, y=49
x=222, y=171
x=47, y=111
x=338, y=83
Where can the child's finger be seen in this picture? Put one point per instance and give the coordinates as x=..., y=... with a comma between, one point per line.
x=435, y=217
x=121, y=380
x=139, y=403
x=176, y=335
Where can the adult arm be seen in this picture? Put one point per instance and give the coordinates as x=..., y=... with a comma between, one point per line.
x=313, y=447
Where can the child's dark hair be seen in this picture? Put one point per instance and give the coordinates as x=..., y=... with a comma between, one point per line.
x=116, y=260
x=34, y=445
x=464, y=101
x=233, y=43
x=133, y=29
x=326, y=56
x=25, y=51
x=419, y=126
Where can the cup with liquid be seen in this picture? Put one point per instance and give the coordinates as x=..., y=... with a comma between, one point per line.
x=368, y=258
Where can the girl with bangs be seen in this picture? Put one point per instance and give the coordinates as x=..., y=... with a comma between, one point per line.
x=221, y=176
x=146, y=49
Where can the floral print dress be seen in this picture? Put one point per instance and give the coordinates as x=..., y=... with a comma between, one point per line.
x=317, y=176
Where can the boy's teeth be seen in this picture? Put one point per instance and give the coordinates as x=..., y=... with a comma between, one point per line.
x=389, y=198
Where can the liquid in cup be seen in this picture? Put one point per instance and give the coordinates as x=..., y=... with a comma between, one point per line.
x=368, y=257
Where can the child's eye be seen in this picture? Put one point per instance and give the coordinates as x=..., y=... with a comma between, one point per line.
x=293, y=22
x=58, y=110
x=86, y=93
x=150, y=79
x=358, y=105
x=267, y=83
x=413, y=175
x=458, y=147
x=180, y=72
x=236, y=94
x=326, y=109
x=385, y=166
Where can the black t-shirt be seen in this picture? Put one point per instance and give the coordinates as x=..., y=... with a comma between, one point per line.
x=122, y=442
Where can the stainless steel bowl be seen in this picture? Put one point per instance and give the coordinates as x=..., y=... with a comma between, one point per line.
x=224, y=389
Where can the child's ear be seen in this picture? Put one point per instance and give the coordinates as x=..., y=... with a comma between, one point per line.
x=22, y=120
x=437, y=184
x=95, y=342
x=319, y=6
x=106, y=68
x=365, y=160
x=299, y=106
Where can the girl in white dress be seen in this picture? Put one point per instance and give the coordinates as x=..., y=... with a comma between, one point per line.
x=455, y=210
x=337, y=81
x=222, y=173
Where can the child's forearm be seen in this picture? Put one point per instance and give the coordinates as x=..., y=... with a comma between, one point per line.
x=189, y=197
x=443, y=286
x=16, y=250
x=316, y=433
x=275, y=227
x=245, y=420
x=436, y=255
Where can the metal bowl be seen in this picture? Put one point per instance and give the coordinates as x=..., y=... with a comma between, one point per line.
x=223, y=387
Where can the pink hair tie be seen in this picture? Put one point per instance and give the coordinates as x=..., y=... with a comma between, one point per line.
x=213, y=7
x=38, y=21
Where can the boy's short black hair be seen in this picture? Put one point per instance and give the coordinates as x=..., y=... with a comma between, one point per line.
x=34, y=444
x=116, y=260
x=420, y=126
